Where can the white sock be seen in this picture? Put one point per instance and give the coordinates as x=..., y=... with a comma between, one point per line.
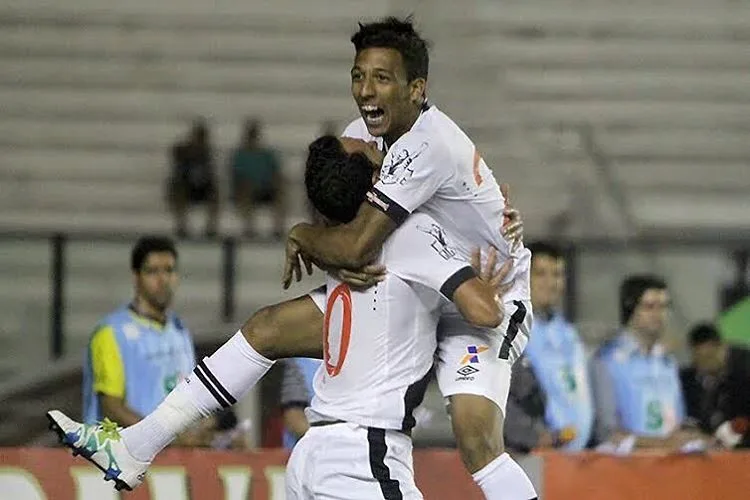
x=504, y=479
x=218, y=381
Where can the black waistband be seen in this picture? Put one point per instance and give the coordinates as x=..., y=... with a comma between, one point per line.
x=323, y=423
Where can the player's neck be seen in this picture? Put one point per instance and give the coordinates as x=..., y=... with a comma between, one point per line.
x=391, y=138
x=146, y=310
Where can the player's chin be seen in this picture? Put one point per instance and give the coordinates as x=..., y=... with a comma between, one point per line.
x=378, y=129
x=163, y=301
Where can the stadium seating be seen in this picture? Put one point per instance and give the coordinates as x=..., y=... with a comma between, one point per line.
x=93, y=96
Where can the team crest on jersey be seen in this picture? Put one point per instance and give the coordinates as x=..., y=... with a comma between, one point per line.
x=131, y=331
x=399, y=170
x=440, y=244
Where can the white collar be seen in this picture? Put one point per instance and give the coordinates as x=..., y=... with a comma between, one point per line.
x=629, y=343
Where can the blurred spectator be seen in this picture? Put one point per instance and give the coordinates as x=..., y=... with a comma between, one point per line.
x=717, y=386
x=228, y=432
x=525, y=428
x=296, y=394
x=257, y=180
x=193, y=179
x=636, y=382
x=140, y=351
x=556, y=354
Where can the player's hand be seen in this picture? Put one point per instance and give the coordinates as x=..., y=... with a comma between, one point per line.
x=294, y=256
x=368, y=276
x=489, y=272
x=512, y=229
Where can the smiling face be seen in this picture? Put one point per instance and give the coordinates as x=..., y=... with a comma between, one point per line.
x=387, y=101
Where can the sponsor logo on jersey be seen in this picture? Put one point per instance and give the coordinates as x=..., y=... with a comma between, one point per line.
x=471, y=358
x=467, y=370
x=398, y=170
x=440, y=244
x=473, y=352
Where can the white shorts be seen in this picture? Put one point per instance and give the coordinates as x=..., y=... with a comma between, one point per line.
x=346, y=461
x=478, y=361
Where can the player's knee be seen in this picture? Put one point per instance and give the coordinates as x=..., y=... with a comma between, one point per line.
x=261, y=332
x=477, y=425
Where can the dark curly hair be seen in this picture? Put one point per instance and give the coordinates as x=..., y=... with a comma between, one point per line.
x=147, y=245
x=632, y=289
x=336, y=181
x=398, y=34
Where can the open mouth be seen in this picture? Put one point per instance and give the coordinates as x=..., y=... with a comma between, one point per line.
x=373, y=115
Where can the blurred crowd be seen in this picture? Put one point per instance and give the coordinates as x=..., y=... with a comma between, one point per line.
x=254, y=174
x=627, y=394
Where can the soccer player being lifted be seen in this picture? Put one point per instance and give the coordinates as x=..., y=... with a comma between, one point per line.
x=431, y=166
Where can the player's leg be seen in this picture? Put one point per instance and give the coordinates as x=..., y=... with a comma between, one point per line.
x=292, y=328
x=474, y=374
x=478, y=426
x=299, y=469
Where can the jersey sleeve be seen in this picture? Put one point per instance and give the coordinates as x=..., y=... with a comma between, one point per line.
x=422, y=252
x=413, y=170
x=106, y=363
x=319, y=297
x=356, y=129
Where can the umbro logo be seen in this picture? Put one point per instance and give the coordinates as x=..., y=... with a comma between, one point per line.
x=467, y=370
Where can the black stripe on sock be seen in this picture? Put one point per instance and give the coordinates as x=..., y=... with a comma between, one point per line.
x=211, y=389
x=390, y=487
x=218, y=385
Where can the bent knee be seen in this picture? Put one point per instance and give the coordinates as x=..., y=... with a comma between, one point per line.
x=261, y=331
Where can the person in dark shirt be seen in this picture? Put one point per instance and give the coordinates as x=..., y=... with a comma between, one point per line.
x=193, y=180
x=716, y=386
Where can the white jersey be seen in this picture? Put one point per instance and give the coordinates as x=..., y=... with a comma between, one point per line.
x=436, y=169
x=379, y=343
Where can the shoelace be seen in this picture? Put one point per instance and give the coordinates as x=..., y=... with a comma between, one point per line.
x=110, y=429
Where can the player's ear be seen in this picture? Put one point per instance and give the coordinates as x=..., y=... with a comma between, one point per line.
x=417, y=90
